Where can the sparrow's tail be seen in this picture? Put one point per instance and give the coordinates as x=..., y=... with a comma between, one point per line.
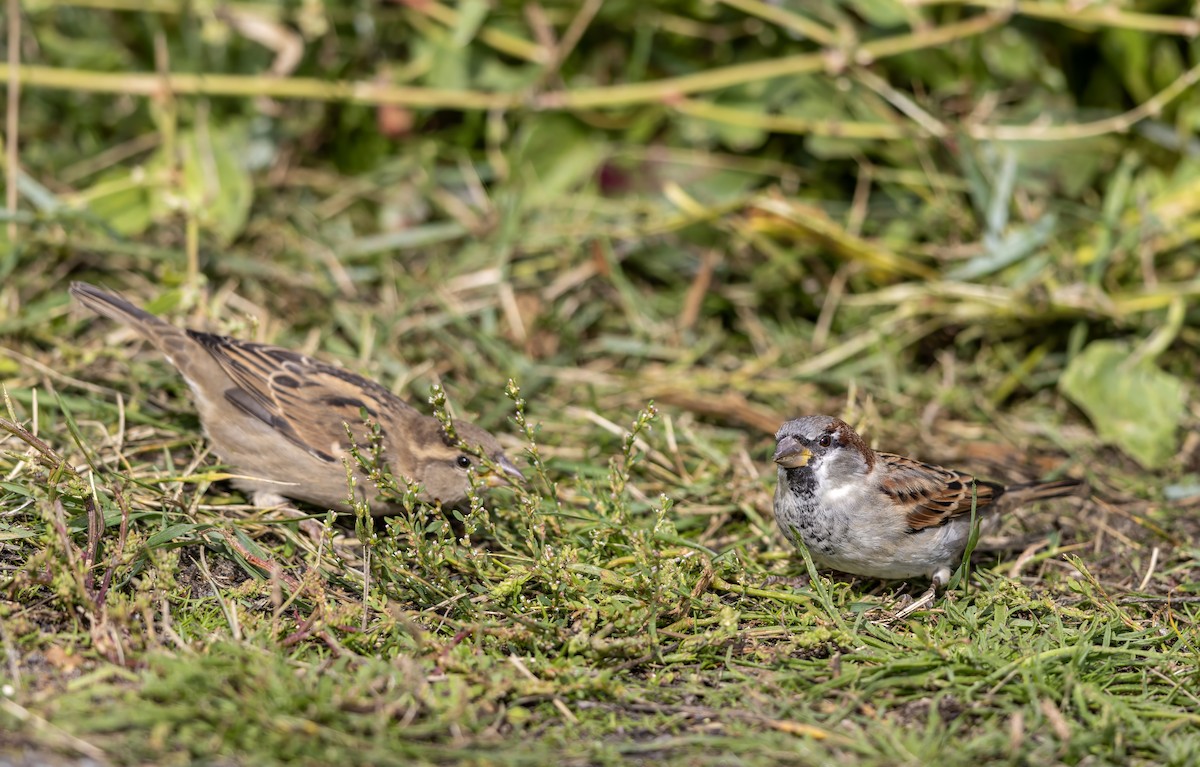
x=1027, y=492
x=170, y=340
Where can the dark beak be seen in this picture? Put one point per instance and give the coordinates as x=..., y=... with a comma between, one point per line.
x=790, y=454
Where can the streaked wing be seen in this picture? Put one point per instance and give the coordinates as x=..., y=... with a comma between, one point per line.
x=306, y=401
x=933, y=495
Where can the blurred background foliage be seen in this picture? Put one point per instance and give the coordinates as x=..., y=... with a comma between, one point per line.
x=838, y=181
x=845, y=190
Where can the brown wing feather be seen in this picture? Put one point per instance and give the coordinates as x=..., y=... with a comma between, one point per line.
x=306, y=401
x=933, y=495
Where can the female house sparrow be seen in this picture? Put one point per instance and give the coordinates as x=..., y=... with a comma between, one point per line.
x=280, y=418
x=878, y=514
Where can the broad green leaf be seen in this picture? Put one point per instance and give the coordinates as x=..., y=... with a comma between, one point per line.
x=121, y=200
x=471, y=15
x=881, y=13
x=449, y=64
x=16, y=533
x=1013, y=55
x=212, y=182
x=1166, y=63
x=172, y=532
x=559, y=156
x=494, y=74
x=216, y=183
x=1136, y=407
x=740, y=138
x=1128, y=53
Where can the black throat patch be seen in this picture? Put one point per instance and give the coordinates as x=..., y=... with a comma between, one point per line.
x=802, y=481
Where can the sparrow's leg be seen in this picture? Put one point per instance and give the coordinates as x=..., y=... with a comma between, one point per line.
x=920, y=602
x=939, y=579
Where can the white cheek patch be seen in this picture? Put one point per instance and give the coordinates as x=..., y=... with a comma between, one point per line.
x=841, y=492
x=833, y=492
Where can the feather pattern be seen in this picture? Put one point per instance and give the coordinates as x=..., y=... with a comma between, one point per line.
x=280, y=419
x=308, y=402
x=932, y=495
x=880, y=514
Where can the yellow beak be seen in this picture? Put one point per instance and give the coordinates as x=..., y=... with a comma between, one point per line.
x=790, y=454
x=508, y=474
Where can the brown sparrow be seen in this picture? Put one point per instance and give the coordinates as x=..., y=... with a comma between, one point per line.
x=280, y=419
x=878, y=514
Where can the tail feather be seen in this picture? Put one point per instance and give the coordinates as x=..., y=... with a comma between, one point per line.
x=1035, y=491
x=170, y=340
x=111, y=305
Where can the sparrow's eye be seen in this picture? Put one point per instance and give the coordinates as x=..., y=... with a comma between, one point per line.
x=463, y=462
x=825, y=440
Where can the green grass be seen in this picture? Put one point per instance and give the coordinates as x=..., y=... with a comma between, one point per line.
x=622, y=607
x=633, y=297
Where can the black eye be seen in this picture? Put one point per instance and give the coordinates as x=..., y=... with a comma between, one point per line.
x=463, y=462
x=825, y=440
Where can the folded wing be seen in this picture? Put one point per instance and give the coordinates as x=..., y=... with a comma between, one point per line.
x=934, y=495
x=308, y=402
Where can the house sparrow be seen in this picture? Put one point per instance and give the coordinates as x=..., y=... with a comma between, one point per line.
x=878, y=514
x=280, y=418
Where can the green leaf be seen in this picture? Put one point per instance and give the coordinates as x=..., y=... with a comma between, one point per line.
x=172, y=532
x=16, y=533
x=121, y=200
x=471, y=15
x=1128, y=53
x=212, y=182
x=881, y=13
x=449, y=64
x=1166, y=64
x=1132, y=403
x=215, y=182
x=1012, y=55
x=13, y=487
x=557, y=156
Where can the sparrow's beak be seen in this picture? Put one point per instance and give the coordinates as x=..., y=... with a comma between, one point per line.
x=507, y=474
x=790, y=454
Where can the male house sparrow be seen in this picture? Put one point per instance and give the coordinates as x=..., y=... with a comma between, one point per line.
x=280, y=418
x=878, y=514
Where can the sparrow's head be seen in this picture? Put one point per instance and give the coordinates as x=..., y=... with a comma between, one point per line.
x=442, y=465
x=823, y=444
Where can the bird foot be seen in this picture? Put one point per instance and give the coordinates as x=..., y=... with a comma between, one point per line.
x=919, y=603
x=938, y=582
